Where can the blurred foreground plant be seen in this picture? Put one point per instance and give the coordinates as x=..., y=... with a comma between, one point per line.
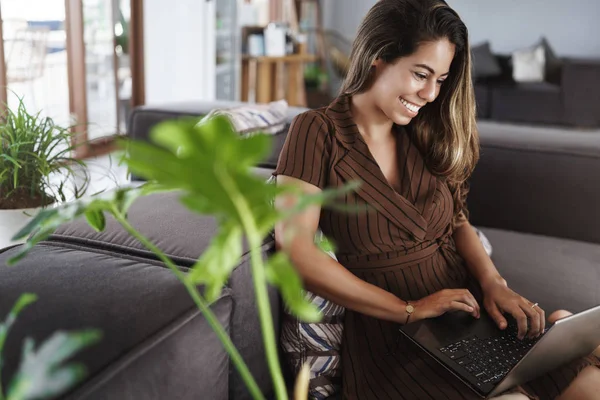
x=41, y=373
x=211, y=165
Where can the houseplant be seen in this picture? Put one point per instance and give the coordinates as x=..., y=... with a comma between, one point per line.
x=36, y=168
x=210, y=165
x=44, y=371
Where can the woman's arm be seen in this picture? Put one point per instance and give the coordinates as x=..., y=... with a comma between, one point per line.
x=323, y=275
x=472, y=251
x=327, y=278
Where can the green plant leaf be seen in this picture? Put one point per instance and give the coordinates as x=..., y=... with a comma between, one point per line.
x=325, y=244
x=36, y=162
x=282, y=274
x=218, y=260
x=95, y=219
x=42, y=374
x=23, y=301
x=48, y=220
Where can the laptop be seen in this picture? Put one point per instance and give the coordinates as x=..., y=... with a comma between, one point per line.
x=489, y=360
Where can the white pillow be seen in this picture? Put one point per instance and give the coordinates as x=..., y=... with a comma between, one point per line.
x=529, y=64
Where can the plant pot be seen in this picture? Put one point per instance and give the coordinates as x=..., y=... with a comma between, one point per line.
x=11, y=222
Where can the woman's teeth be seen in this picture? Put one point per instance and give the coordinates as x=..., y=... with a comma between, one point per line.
x=410, y=106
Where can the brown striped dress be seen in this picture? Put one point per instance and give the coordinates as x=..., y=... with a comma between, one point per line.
x=403, y=244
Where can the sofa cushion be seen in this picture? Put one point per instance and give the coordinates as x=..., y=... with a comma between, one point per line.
x=557, y=273
x=539, y=102
x=529, y=65
x=141, y=308
x=485, y=64
x=252, y=118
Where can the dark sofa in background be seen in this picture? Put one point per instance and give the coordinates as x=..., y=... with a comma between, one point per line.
x=535, y=196
x=570, y=98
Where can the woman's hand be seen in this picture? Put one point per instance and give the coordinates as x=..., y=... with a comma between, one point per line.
x=499, y=298
x=445, y=301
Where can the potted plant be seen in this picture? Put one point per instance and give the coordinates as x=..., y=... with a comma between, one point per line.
x=314, y=77
x=37, y=169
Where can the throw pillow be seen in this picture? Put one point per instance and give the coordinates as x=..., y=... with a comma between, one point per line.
x=553, y=63
x=485, y=64
x=253, y=118
x=529, y=64
x=318, y=344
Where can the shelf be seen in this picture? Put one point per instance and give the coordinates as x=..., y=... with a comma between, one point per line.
x=288, y=58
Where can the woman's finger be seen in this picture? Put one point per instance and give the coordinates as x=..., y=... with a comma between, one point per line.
x=533, y=317
x=496, y=315
x=542, y=316
x=468, y=298
x=460, y=306
x=521, y=318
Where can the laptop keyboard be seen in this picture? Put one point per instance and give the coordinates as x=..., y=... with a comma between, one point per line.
x=490, y=359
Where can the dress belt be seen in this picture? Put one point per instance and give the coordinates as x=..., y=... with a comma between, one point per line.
x=393, y=260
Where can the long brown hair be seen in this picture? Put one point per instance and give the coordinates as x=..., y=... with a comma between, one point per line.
x=445, y=130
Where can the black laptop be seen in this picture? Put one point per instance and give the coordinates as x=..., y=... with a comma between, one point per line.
x=491, y=361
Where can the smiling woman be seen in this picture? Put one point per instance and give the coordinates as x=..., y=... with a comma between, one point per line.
x=404, y=126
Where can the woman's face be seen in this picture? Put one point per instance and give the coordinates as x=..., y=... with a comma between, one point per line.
x=401, y=88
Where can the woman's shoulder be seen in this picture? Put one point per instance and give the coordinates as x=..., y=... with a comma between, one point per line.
x=312, y=122
x=316, y=115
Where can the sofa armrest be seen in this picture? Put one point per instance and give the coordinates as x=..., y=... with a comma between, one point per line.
x=581, y=97
x=142, y=119
x=537, y=181
x=184, y=236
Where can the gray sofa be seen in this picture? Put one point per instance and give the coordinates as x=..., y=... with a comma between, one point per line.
x=536, y=197
x=571, y=98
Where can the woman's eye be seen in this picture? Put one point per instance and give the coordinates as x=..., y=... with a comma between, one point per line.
x=440, y=82
x=420, y=76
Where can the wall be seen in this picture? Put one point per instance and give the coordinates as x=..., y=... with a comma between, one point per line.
x=179, y=50
x=572, y=27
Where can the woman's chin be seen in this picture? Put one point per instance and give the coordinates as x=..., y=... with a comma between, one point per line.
x=401, y=119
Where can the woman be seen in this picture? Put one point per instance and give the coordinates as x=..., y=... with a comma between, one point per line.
x=404, y=125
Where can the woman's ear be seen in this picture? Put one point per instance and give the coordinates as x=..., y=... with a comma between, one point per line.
x=376, y=63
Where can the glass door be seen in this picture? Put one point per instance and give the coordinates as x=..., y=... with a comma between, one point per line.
x=70, y=60
x=108, y=75
x=35, y=54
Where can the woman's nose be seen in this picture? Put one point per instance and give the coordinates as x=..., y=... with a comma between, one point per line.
x=429, y=92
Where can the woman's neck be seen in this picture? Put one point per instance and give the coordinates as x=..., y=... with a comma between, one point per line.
x=372, y=123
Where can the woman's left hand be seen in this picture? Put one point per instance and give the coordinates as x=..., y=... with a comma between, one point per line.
x=499, y=298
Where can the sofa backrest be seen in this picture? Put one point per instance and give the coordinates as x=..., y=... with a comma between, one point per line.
x=534, y=180
x=537, y=180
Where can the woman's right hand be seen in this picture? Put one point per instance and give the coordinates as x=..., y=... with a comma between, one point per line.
x=444, y=301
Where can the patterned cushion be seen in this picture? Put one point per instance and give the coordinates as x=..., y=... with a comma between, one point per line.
x=318, y=344
x=250, y=118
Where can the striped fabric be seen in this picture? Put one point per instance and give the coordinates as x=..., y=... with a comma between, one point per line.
x=403, y=244
x=253, y=118
x=317, y=344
